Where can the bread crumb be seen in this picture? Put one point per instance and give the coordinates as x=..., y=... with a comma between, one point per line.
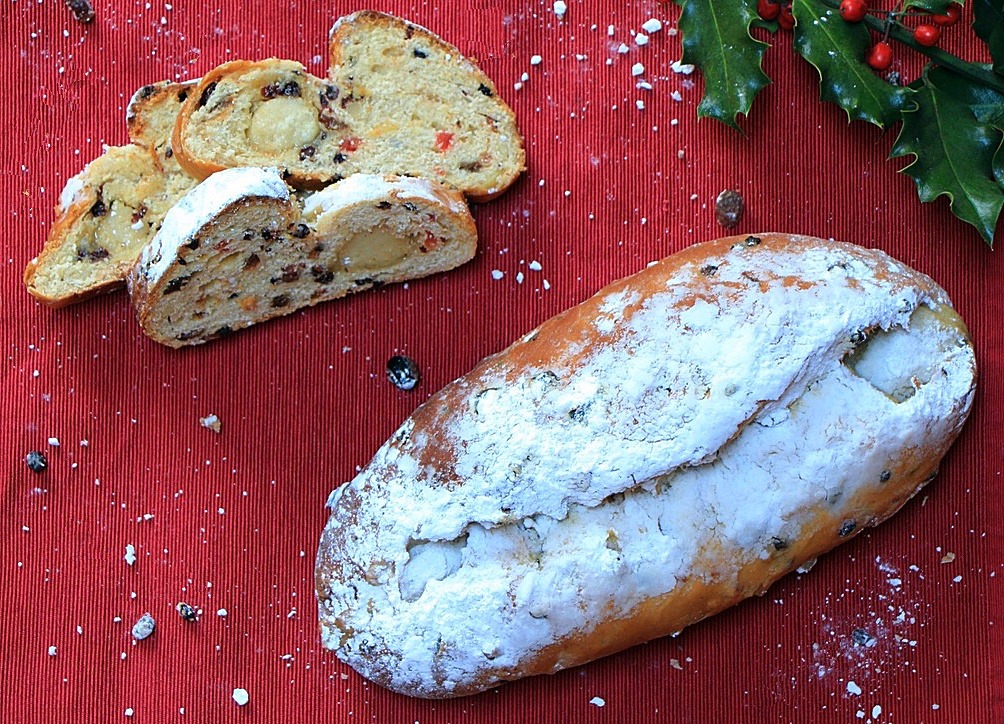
x=641, y=39
x=853, y=688
x=948, y=558
x=652, y=25
x=534, y=265
x=241, y=697
x=684, y=68
x=597, y=701
x=130, y=554
x=143, y=627
x=876, y=711
x=211, y=422
x=536, y=60
x=52, y=651
x=222, y=613
x=637, y=69
x=560, y=8
x=128, y=711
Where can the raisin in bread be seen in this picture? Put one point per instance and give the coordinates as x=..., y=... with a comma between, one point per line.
x=114, y=206
x=238, y=249
x=397, y=99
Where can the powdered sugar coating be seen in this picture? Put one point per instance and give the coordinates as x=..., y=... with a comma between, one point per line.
x=74, y=185
x=669, y=440
x=198, y=207
x=364, y=187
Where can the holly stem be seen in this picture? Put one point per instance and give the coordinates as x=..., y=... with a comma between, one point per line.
x=897, y=32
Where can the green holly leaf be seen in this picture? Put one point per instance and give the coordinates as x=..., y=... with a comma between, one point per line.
x=988, y=22
x=954, y=152
x=837, y=50
x=716, y=39
x=935, y=7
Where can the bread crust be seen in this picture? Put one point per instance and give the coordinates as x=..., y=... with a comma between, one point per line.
x=769, y=373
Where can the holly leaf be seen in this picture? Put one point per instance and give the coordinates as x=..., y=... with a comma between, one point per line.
x=716, y=39
x=935, y=7
x=954, y=151
x=837, y=50
x=988, y=22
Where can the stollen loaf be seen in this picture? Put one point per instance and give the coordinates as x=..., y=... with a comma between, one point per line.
x=650, y=457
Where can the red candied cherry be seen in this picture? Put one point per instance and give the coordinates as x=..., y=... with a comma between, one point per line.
x=853, y=11
x=949, y=18
x=768, y=9
x=879, y=56
x=927, y=35
x=785, y=20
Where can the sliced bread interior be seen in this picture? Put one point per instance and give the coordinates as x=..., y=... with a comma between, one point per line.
x=114, y=206
x=238, y=249
x=398, y=100
x=104, y=219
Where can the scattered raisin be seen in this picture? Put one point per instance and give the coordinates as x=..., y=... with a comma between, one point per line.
x=752, y=240
x=182, y=95
x=485, y=90
x=339, y=158
x=169, y=152
x=204, y=98
x=290, y=273
x=859, y=337
x=848, y=527
x=410, y=207
x=289, y=89
x=863, y=638
x=251, y=262
x=300, y=231
x=187, y=612
x=884, y=476
x=36, y=462
x=402, y=372
x=138, y=214
x=224, y=331
x=83, y=10
x=307, y=152
x=146, y=91
x=409, y=32
x=177, y=284
x=729, y=208
x=779, y=543
x=471, y=166
x=96, y=254
x=321, y=275
x=248, y=235
x=383, y=205
x=266, y=234
x=418, y=53
x=367, y=282
x=709, y=270
x=280, y=300
x=190, y=334
x=194, y=243
x=99, y=208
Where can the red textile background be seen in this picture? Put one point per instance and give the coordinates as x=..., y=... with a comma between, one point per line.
x=231, y=520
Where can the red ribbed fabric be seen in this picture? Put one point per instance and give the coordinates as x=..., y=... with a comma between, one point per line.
x=231, y=520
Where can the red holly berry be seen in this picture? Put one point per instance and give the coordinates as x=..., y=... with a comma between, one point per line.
x=768, y=9
x=853, y=11
x=785, y=20
x=879, y=56
x=927, y=35
x=949, y=18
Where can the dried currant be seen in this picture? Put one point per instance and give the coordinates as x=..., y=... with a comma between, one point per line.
x=729, y=207
x=403, y=372
x=36, y=462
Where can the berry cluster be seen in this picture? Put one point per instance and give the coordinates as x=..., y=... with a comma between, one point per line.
x=880, y=54
x=926, y=33
x=775, y=10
